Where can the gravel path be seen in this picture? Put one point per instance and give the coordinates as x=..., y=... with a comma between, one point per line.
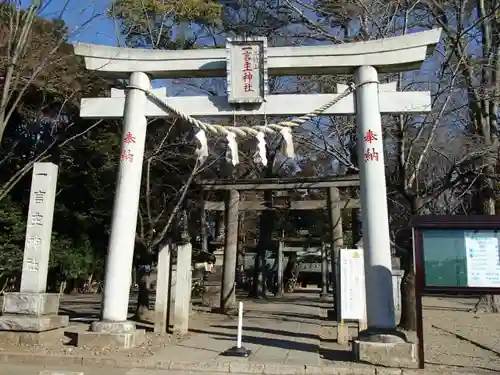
x=82, y=310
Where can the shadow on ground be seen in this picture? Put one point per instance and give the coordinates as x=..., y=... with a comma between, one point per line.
x=272, y=342
x=337, y=355
x=468, y=368
x=446, y=308
x=463, y=338
x=270, y=331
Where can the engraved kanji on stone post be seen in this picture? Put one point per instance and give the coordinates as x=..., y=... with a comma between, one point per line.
x=39, y=228
x=32, y=310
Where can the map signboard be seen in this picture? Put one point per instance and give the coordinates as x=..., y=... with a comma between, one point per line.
x=461, y=258
x=352, y=285
x=454, y=255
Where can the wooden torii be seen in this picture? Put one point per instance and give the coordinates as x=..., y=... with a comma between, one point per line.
x=233, y=205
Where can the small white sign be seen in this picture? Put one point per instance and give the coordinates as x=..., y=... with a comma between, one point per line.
x=246, y=70
x=352, y=285
x=483, y=259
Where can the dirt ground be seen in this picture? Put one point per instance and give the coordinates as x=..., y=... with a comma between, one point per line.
x=454, y=337
x=83, y=309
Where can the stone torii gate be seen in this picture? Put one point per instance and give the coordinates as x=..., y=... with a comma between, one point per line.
x=365, y=59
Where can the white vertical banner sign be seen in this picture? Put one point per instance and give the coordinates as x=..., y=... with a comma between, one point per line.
x=352, y=285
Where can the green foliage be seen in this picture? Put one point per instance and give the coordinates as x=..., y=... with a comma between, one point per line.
x=12, y=233
x=142, y=11
x=73, y=259
x=163, y=23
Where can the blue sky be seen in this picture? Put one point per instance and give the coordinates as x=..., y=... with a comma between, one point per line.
x=86, y=19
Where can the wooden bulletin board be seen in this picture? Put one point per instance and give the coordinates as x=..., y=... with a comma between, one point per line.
x=454, y=255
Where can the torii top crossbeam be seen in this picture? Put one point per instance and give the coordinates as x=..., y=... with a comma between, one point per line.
x=389, y=55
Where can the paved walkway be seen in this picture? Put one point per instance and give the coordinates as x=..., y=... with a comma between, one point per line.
x=284, y=331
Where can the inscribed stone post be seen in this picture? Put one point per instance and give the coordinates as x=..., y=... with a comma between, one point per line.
x=39, y=228
x=28, y=314
x=182, y=303
x=162, y=300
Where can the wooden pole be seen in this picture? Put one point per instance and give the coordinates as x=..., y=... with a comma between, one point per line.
x=356, y=226
x=279, y=269
x=203, y=223
x=324, y=272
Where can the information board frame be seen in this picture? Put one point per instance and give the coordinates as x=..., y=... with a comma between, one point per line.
x=454, y=222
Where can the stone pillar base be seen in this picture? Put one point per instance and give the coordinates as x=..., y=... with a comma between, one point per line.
x=211, y=295
x=112, y=335
x=25, y=323
x=31, y=338
x=385, y=348
x=33, y=304
x=342, y=333
x=324, y=297
x=31, y=330
x=31, y=318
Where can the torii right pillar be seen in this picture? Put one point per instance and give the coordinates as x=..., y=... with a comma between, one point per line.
x=380, y=343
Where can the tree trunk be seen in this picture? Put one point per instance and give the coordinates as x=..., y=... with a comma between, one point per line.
x=144, y=280
x=258, y=288
x=488, y=303
x=266, y=225
x=486, y=116
x=62, y=288
x=408, y=319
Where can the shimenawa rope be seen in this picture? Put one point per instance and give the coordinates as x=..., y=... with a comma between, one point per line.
x=284, y=127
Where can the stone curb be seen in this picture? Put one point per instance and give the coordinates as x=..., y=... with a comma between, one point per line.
x=212, y=366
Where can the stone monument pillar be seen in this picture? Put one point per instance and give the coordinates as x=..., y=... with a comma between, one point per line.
x=163, y=285
x=183, y=282
x=29, y=314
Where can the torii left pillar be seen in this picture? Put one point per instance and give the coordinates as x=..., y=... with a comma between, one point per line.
x=113, y=329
